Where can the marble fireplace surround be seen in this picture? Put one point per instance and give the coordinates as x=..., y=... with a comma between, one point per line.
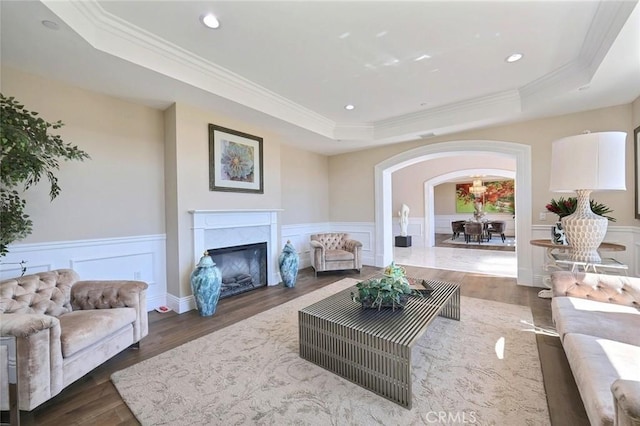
x=226, y=228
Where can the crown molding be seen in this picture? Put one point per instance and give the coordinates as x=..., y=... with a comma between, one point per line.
x=607, y=22
x=459, y=113
x=115, y=36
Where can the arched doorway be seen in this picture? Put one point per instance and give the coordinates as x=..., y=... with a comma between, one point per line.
x=384, y=212
x=429, y=215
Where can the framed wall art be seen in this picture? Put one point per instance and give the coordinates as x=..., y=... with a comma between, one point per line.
x=499, y=197
x=636, y=150
x=235, y=161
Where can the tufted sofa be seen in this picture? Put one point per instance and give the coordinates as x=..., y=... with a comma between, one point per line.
x=64, y=328
x=598, y=320
x=335, y=251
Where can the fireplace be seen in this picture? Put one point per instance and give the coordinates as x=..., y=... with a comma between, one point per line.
x=216, y=229
x=243, y=267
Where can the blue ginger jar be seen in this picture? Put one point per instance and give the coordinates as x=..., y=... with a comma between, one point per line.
x=288, y=262
x=206, y=282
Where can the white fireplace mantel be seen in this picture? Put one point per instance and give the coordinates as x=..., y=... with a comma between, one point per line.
x=226, y=228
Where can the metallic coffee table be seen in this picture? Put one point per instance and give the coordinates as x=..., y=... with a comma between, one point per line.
x=372, y=348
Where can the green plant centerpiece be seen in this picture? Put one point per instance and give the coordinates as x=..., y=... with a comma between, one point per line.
x=27, y=153
x=392, y=290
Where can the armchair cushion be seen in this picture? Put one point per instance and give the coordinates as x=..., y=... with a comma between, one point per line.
x=338, y=255
x=596, y=319
x=81, y=329
x=596, y=364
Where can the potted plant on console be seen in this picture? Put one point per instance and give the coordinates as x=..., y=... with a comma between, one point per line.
x=565, y=207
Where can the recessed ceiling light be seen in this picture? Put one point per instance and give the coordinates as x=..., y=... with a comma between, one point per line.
x=421, y=57
x=349, y=107
x=210, y=21
x=50, y=24
x=515, y=57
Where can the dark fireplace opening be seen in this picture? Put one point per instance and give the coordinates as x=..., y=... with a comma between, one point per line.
x=243, y=268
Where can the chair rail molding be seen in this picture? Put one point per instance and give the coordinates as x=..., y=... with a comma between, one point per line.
x=121, y=258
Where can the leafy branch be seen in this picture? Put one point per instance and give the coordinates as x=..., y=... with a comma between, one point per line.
x=28, y=152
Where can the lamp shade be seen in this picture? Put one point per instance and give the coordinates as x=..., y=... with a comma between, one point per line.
x=593, y=161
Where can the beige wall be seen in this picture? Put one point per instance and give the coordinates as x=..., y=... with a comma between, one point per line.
x=408, y=183
x=355, y=202
x=444, y=198
x=120, y=190
x=305, y=186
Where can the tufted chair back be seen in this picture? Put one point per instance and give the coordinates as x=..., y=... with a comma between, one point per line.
x=617, y=289
x=46, y=293
x=332, y=240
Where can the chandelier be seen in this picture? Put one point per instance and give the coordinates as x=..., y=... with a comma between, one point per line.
x=477, y=188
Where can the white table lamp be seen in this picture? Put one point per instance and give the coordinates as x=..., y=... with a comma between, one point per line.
x=586, y=163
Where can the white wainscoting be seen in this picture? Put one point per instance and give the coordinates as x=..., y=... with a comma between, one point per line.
x=415, y=229
x=128, y=258
x=144, y=257
x=299, y=235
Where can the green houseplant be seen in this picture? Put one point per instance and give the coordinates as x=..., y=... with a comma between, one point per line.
x=28, y=151
x=563, y=207
x=392, y=290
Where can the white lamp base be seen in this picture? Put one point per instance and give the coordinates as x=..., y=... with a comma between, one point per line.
x=584, y=230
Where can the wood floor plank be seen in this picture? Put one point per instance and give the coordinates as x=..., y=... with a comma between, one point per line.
x=93, y=400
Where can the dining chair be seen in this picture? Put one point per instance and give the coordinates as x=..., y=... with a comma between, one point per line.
x=473, y=231
x=497, y=227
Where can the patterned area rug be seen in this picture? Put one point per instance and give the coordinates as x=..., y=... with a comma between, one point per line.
x=482, y=370
x=495, y=241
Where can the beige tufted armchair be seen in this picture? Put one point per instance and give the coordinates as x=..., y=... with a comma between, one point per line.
x=64, y=328
x=335, y=251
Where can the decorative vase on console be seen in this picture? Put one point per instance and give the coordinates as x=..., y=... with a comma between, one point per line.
x=288, y=262
x=557, y=234
x=206, y=283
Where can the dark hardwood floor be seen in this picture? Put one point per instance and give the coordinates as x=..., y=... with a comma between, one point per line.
x=93, y=400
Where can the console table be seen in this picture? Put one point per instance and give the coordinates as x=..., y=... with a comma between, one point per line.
x=553, y=259
x=371, y=347
x=562, y=260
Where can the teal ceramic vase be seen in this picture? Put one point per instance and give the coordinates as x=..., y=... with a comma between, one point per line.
x=206, y=282
x=289, y=262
